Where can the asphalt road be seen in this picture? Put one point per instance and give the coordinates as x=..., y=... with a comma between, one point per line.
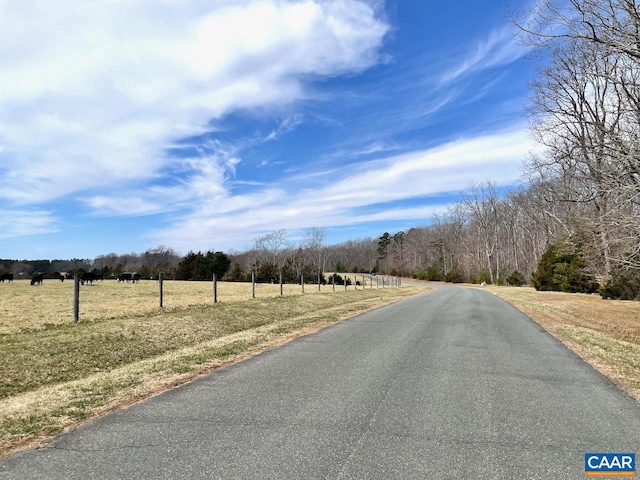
x=452, y=384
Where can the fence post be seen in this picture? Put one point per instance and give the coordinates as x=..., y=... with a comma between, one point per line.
x=345, y=282
x=280, y=282
x=160, y=288
x=302, y=282
x=76, y=297
x=319, y=284
x=253, y=285
x=215, y=289
x=333, y=282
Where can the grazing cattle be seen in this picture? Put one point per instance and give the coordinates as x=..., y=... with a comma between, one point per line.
x=136, y=277
x=36, y=279
x=89, y=277
x=125, y=277
x=6, y=276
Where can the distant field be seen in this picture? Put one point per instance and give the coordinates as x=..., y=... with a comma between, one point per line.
x=23, y=306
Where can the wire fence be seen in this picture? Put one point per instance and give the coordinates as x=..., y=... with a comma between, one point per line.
x=24, y=307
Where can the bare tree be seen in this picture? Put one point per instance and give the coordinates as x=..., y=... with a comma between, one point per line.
x=613, y=24
x=313, y=243
x=271, y=248
x=482, y=204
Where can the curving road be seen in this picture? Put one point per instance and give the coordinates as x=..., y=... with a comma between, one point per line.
x=452, y=384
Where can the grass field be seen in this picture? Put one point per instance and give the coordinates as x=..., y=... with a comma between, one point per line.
x=55, y=373
x=23, y=306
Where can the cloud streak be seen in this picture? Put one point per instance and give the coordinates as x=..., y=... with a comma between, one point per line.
x=19, y=223
x=499, y=48
x=377, y=190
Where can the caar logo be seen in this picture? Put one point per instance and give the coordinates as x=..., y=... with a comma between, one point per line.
x=609, y=464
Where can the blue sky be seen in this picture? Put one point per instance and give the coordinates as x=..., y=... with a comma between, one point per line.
x=204, y=124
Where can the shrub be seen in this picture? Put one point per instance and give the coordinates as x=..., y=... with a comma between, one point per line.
x=624, y=284
x=236, y=274
x=516, y=279
x=562, y=269
x=434, y=273
x=268, y=273
x=454, y=276
x=483, y=276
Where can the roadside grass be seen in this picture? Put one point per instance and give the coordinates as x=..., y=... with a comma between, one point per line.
x=605, y=333
x=24, y=307
x=56, y=374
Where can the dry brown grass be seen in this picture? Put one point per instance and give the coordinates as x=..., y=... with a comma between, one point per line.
x=54, y=373
x=23, y=306
x=606, y=333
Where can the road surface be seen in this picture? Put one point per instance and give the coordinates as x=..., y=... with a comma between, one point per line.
x=451, y=384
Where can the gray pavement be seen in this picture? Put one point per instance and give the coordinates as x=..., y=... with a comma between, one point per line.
x=451, y=384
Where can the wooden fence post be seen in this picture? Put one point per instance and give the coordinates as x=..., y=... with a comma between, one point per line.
x=253, y=285
x=76, y=297
x=302, y=282
x=160, y=289
x=215, y=289
x=281, y=282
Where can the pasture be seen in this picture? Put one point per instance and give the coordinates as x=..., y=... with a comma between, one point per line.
x=55, y=373
x=24, y=306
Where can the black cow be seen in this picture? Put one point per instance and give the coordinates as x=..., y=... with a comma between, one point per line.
x=6, y=276
x=125, y=277
x=36, y=279
x=89, y=277
x=136, y=277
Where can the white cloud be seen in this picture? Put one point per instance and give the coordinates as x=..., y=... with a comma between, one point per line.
x=19, y=223
x=92, y=93
x=366, y=192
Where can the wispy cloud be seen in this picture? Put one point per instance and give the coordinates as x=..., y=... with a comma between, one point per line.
x=501, y=47
x=18, y=223
x=364, y=192
x=287, y=125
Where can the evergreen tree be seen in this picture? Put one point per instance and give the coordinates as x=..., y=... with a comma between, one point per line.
x=563, y=269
